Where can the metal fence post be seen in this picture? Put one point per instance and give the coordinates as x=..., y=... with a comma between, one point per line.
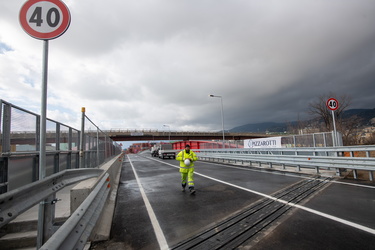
x=97, y=147
x=82, y=140
x=5, y=145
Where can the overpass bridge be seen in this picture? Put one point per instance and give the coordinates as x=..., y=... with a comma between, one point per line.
x=26, y=137
x=151, y=135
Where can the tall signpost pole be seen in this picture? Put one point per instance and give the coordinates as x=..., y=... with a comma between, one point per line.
x=43, y=110
x=333, y=105
x=44, y=20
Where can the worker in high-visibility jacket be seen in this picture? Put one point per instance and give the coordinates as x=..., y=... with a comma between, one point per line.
x=187, y=171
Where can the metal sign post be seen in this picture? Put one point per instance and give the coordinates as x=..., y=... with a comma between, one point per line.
x=333, y=105
x=43, y=114
x=44, y=20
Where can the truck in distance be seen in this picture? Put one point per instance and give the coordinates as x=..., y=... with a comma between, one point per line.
x=164, y=151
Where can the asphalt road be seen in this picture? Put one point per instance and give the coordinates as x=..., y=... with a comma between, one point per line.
x=153, y=213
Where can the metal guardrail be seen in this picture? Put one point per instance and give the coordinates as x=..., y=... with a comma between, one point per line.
x=15, y=202
x=318, y=158
x=74, y=233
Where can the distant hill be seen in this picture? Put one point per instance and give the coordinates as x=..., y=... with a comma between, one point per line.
x=365, y=114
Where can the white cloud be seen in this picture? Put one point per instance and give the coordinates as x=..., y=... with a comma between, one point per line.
x=142, y=64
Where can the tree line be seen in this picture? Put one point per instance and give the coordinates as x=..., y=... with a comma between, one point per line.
x=348, y=126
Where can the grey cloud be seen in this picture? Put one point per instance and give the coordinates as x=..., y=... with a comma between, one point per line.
x=156, y=62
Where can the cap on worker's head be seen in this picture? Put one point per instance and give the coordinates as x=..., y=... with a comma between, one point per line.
x=187, y=145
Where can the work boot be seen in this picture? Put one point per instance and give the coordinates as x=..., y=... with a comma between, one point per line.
x=183, y=187
x=192, y=190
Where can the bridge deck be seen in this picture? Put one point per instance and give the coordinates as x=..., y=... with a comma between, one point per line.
x=153, y=213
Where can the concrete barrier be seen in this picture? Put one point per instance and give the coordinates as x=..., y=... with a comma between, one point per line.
x=80, y=192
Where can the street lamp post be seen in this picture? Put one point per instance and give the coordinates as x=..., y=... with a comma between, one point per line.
x=222, y=116
x=169, y=135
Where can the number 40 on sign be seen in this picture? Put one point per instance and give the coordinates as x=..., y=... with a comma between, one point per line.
x=332, y=104
x=44, y=19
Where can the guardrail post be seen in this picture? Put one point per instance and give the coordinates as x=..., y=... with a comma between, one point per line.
x=355, y=173
x=317, y=169
x=283, y=165
x=338, y=172
x=298, y=168
x=371, y=177
x=270, y=164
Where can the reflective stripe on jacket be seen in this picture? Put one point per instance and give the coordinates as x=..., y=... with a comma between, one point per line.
x=181, y=156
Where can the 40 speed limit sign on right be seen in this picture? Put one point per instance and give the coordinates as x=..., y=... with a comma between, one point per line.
x=332, y=104
x=44, y=19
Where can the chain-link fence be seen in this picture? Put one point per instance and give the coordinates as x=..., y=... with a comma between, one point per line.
x=20, y=145
x=324, y=139
x=98, y=146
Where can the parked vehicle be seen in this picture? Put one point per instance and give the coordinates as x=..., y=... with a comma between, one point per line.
x=166, y=151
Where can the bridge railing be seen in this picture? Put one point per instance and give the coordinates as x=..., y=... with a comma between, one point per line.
x=351, y=158
x=67, y=149
x=19, y=147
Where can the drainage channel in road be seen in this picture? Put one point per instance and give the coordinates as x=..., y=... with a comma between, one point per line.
x=244, y=226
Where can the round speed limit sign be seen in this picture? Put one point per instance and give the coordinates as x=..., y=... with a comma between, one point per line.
x=44, y=19
x=332, y=104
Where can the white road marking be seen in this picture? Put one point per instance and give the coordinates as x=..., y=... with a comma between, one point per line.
x=154, y=221
x=353, y=184
x=331, y=217
x=294, y=175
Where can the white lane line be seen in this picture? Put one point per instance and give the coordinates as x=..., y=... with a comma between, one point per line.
x=261, y=171
x=353, y=184
x=331, y=217
x=154, y=221
x=296, y=175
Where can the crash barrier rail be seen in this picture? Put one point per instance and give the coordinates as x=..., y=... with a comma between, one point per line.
x=74, y=233
x=66, y=147
x=352, y=158
x=17, y=201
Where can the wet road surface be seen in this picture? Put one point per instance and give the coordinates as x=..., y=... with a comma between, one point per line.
x=277, y=210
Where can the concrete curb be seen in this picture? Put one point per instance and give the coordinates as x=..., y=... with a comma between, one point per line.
x=103, y=229
x=80, y=192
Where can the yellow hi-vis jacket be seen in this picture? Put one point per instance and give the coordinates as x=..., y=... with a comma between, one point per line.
x=184, y=155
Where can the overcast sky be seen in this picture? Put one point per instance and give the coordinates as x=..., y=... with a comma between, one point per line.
x=143, y=64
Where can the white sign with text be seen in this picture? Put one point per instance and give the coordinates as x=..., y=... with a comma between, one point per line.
x=272, y=142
